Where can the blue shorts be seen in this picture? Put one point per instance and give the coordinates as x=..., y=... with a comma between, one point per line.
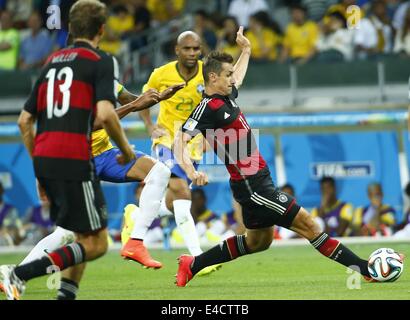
x=108, y=169
x=166, y=156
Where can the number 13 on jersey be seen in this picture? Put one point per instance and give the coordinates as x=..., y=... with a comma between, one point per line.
x=52, y=108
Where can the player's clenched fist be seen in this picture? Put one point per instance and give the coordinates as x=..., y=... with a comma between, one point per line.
x=124, y=158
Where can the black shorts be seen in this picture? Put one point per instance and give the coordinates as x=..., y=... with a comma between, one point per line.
x=78, y=206
x=263, y=205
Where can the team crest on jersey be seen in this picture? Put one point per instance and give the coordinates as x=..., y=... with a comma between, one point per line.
x=283, y=198
x=190, y=124
x=200, y=88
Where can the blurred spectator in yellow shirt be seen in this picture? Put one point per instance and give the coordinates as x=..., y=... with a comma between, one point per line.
x=165, y=10
x=300, y=37
x=227, y=37
x=264, y=39
x=118, y=25
x=9, y=42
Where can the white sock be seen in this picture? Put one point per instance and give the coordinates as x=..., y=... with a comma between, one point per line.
x=186, y=226
x=156, y=183
x=53, y=241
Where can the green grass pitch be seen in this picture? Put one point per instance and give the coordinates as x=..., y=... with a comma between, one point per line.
x=285, y=272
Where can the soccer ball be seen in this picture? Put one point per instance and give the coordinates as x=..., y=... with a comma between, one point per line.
x=385, y=264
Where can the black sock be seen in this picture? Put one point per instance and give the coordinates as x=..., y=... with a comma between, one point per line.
x=228, y=250
x=335, y=250
x=60, y=259
x=68, y=290
x=34, y=269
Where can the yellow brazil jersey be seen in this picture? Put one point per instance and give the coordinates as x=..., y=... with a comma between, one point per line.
x=300, y=40
x=367, y=215
x=100, y=141
x=176, y=110
x=269, y=40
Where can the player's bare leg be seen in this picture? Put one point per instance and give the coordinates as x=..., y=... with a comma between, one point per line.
x=306, y=226
x=156, y=177
x=258, y=239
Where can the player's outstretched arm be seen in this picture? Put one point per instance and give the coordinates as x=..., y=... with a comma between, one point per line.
x=139, y=103
x=154, y=130
x=125, y=97
x=181, y=155
x=149, y=98
x=146, y=100
x=111, y=123
x=26, y=125
x=242, y=64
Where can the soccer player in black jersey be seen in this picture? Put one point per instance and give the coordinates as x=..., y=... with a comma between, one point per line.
x=222, y=123
x=76, y=86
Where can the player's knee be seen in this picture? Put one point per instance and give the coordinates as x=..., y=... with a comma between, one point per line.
x=102, y=246
x=159, y=173
x=99, y=248
x=257, y=244
x=95, y=246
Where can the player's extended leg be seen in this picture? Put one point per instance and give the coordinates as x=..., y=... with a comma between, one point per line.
x=88, y=247
x=178, y=191
x=156, y=177
x=59, y=237
x=254, y=240
x=306, y=226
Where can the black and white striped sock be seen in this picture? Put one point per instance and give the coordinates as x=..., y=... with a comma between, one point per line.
x=68, y=290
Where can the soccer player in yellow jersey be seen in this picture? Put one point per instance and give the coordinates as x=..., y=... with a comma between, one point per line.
x=172, y=113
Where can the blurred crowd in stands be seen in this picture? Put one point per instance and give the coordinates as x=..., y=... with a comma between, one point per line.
x=280, y=31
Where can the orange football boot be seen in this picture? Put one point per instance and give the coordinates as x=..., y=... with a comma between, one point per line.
x=136, y=251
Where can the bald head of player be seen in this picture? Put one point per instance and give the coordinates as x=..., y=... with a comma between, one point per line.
x=188, y=49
